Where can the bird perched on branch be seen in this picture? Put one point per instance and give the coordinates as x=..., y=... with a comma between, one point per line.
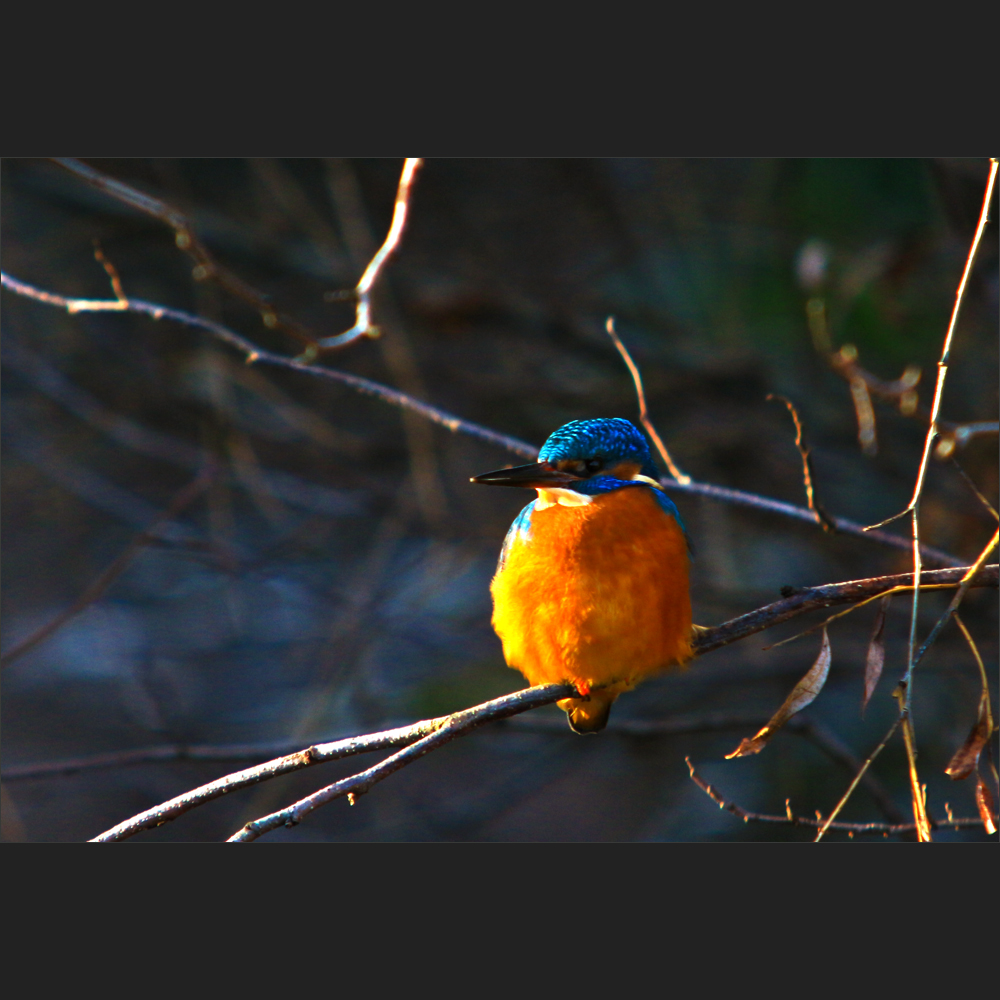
x=592, y=583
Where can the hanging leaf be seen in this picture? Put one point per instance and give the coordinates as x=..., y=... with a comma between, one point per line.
x=875, y=659
x=984, y=799
x=802, y=694
x=965, y=760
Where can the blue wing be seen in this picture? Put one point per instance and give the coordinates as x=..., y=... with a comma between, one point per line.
x=521, y=526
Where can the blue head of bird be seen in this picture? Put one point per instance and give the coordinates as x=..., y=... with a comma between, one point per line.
x=583, y=456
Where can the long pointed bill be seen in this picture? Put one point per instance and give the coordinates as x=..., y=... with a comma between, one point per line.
x=543, y=475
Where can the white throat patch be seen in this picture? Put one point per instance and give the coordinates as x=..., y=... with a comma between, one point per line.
x=564, y=498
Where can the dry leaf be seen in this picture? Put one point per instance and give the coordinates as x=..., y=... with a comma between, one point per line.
x=802, y=694
x=875, y=659
x=965, y=760
x=986, y=808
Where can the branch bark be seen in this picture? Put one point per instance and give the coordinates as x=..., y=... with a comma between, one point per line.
x=256, y=355
x=422, y=737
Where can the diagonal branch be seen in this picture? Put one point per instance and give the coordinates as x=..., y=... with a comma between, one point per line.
x=499, y=708
x=447, y=728
x=256, y=355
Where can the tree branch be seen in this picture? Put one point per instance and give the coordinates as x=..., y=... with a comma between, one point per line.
x=789, y=819
x=812, y=598
x=429, y=734
x=256, y=355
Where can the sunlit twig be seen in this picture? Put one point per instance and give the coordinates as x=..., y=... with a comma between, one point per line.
x=906, y=687
x=363, y=326
x=643, y=411
x=822, y=518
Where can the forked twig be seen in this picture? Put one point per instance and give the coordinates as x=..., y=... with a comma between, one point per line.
x=363, y=326
x=498, y=708
x=206, y=266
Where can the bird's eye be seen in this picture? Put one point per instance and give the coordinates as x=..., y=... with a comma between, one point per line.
x=593, y=465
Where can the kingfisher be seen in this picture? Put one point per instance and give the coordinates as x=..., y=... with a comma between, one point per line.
x=591, y=587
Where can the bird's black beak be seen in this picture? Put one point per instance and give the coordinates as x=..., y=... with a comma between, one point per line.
x=541, y=475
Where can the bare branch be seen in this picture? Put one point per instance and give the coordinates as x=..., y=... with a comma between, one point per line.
x=462, y=722
x=789, y=819
x=643, y=411
x=451, y=725
x=812, y=598
x=822, y=518
x=906, y=687
x=187, y=240
x=256, y=355
x=363, y=326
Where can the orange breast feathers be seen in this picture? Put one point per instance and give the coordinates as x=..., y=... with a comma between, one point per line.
x=596, y=594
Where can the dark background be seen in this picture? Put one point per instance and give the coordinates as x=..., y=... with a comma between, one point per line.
x=335, y=578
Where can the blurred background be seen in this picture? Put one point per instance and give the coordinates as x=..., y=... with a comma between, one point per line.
x=334, y=577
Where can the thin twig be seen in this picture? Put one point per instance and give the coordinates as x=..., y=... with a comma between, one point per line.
x=256, y=355
x=906, y=687
x=363, y=326
x=822, y=518
x=789, y=819
x=862, y=771
x=987, y=709
x=821, y=736
x=112, y=273
x=918, y=792
x=187, y=240
x=975, y=489
x=957, y=599
x=498, y=708
x=96, y=589
x=643, y=411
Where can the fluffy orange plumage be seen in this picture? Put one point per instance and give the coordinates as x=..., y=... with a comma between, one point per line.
x=597, y=595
